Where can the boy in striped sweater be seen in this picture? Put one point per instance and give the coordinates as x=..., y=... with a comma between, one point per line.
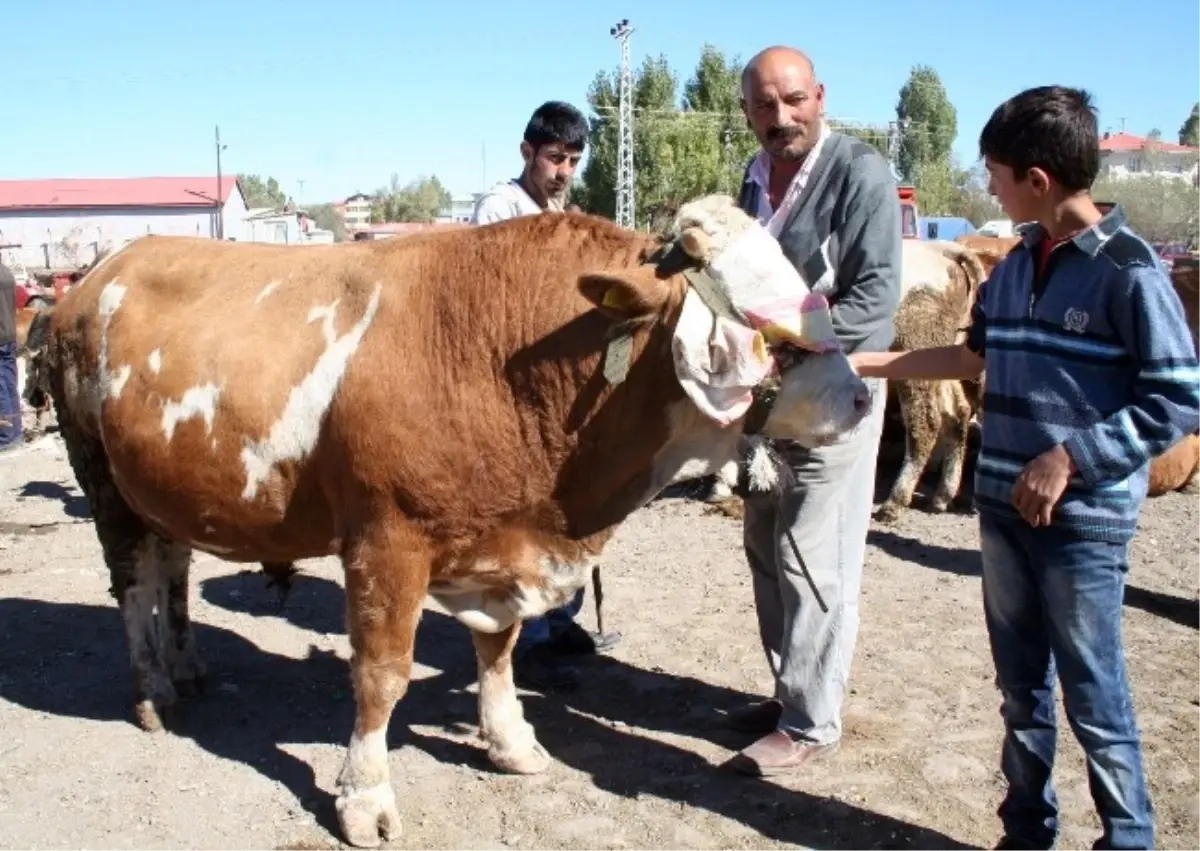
x=1090, y=373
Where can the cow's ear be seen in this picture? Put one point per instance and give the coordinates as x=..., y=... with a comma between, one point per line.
x=636, y=293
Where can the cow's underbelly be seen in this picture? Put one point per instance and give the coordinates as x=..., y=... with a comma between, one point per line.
x=494, y=606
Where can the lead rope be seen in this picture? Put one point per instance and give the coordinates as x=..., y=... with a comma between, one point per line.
x=598, y=596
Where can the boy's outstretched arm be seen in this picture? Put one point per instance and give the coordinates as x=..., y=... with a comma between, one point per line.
x=1166, y=391
x=945, y=363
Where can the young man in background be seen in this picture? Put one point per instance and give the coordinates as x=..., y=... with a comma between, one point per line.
x=555, y=139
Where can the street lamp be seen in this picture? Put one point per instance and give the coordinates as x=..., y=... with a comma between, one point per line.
x=220, y=216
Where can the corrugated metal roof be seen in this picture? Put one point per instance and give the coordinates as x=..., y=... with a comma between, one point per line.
x=74, y=193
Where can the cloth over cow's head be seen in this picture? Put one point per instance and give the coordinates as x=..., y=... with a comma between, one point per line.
x=751, y=341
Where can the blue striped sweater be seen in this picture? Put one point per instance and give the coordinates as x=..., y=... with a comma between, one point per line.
x=1094, y=354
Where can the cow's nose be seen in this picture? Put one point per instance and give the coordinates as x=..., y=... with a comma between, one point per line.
x=862, y=401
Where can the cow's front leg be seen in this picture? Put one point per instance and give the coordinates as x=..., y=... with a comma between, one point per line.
x=385, y=588
x=512, y=745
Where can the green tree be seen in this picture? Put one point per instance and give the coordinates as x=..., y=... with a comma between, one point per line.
x=421, y=200
x=1160, y=208
x=260, y=193
x=685, y=145
x=1189, y=132
x=327, y=218
x=928, y=122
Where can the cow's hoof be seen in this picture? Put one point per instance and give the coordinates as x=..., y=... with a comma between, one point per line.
x=889, y=512
x=150, y=716
x=156, y=707
x=939, y=506
x=532, y=759
x=369, y=817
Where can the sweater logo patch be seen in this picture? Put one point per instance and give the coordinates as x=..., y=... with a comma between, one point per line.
x=1075, y=320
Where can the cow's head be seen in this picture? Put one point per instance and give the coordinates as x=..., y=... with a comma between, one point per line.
x=750, y=341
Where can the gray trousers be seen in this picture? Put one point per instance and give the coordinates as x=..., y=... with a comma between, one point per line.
x=828, y=511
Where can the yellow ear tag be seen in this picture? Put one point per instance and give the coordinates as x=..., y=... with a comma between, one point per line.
x=613, y=299
x=758, y=345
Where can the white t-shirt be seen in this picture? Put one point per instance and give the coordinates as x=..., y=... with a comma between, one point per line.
x=506, y=200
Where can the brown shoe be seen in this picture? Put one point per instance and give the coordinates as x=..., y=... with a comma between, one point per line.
x=760, y=717
x=776, y=753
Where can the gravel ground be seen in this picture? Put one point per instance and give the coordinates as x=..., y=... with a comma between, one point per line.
x=253, y=762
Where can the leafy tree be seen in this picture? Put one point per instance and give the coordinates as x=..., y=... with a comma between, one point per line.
x=260, y=193
x=1189, y=132
x=683, y=146
x=421, y=200
x=327, y=218
x=1160, y=208
x=928, y=120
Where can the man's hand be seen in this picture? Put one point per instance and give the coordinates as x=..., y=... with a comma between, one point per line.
x=1041, y=485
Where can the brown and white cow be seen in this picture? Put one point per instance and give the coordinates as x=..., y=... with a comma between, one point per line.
x=940, y=282
x=452, y=414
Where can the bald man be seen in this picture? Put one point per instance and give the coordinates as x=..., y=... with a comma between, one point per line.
x=832, y=203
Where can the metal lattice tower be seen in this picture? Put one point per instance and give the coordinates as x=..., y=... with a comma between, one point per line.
x=625, y=217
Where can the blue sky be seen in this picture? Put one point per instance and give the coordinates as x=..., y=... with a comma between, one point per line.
x=339, y=96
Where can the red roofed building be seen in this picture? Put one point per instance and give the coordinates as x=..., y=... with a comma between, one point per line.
x=1126, y=155
x=66, y=222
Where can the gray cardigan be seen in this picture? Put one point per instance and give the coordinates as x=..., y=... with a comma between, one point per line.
x=844, y=236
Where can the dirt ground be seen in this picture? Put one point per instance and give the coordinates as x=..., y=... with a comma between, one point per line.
x=253, y=762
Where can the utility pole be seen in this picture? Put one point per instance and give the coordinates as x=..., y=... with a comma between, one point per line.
x=220, y=206
x=625, y=203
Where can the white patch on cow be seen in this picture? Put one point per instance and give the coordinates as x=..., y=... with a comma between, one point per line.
x=155, y=361
x=110, y=299
x=117, y=381
x=923, y=265
x=326, y=314
x=295, y=433
x=491, y=609
x=366, y=805
x=266, y=291
x=21, y=367
x=697, y=447
x=199, y=401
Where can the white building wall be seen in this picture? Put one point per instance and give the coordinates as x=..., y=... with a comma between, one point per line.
x=1176, y=164
x=65, y=238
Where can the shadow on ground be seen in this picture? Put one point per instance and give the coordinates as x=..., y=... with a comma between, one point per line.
x=70, y=660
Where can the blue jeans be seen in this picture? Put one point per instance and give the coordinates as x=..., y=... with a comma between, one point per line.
x=1053, y=602
x=540, y=630
x=10, y=400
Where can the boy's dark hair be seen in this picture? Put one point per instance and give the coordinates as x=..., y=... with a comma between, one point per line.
x=1049, y=127
x=555, y=121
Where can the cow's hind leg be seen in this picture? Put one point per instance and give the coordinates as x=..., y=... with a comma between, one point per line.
x=956, y=430
x=386, y=583
x=512, y=745
x=922, y=427
x=148, y=580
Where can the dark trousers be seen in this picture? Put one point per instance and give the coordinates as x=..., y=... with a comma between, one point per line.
x=10, y=400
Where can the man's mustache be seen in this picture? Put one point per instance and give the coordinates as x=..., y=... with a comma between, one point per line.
x=781, y=132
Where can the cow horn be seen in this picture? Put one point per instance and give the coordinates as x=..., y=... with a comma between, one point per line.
x=695, y=243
